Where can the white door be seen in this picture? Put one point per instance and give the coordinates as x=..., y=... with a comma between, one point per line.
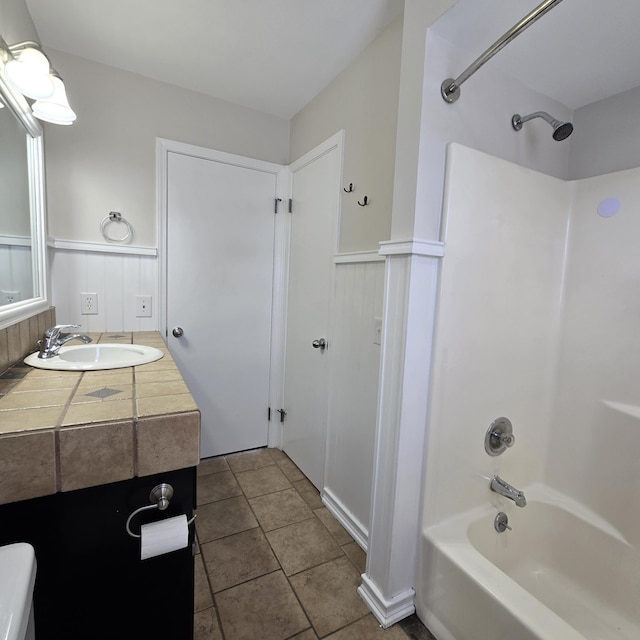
x=316, y=180
x=219, y=276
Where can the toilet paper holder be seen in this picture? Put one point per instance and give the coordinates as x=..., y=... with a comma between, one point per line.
x=160, y=497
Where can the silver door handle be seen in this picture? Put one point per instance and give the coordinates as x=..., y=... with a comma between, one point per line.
x=177, y=332
x=320, y=343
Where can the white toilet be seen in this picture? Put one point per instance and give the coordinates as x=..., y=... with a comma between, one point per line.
x=17, y=579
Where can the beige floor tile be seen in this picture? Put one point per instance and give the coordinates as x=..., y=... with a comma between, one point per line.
x=368, y=628
x=246, y=460
x=205, y=625
x=263, y=609
x=258, y=482
x=277, y=454
x=212, y=465
x=217, y=486
x=290, y=470
x=303, y=545
x=238, y=558
x=329, y=595
x=355, y=553
x=340, y=534
x=309, y=493
x=223, y=518
x=202, y=592
x=279, y=509
x=309, y=634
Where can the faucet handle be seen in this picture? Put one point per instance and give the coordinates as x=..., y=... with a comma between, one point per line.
x=58, y=329
x=499, y=436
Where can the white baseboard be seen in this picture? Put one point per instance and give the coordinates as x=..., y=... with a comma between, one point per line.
x=355, y=528
x=386, y=612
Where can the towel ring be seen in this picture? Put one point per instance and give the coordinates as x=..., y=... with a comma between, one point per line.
x=114, y=216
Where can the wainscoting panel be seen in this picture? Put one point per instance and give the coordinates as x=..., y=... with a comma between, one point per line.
x=353, y=390
x=116, y=279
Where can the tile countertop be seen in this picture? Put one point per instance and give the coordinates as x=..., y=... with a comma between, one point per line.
x=64, y=430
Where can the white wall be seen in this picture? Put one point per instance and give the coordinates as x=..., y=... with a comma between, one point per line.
x=497, y=325
x=16, y=24
x=480, y=119
x=106, y=161
x=362, y=100
x=595, y=433
x=605, y=137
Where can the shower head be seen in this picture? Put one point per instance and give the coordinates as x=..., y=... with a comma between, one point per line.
x=561, y=130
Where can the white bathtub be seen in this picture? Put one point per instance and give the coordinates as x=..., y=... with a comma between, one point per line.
x=560, y=574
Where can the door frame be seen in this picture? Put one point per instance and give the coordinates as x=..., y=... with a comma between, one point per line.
x=280, y=258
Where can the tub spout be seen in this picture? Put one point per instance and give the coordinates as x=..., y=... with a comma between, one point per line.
x=505, y=489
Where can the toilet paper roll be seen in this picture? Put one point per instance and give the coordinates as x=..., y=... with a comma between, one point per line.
x=163, y=536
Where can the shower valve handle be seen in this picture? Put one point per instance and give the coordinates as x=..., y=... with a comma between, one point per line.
x=499, y=437
x=507, y=439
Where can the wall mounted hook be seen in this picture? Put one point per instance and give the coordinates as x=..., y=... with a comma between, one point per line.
x=365, y=203
x=350, y=189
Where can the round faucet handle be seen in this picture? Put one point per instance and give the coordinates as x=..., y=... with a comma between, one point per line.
x=499, y=436
x=508, y=439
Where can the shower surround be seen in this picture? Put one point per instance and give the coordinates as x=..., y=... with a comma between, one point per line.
x=537, y=321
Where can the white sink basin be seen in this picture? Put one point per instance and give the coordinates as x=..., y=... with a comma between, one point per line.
x=94, y=357
x=17, y=579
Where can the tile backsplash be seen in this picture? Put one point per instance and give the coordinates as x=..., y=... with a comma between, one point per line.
x=19, y=340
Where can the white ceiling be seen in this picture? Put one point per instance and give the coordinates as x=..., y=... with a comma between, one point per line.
x=276, y=55
x=579, y=52
x=270, y=55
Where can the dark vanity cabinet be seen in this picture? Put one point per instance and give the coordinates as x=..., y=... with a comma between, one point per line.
x=91, y=582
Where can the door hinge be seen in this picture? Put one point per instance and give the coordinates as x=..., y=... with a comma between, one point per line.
x=282, y=413
x=290, y=205
x=269, y=414
x=278, y=200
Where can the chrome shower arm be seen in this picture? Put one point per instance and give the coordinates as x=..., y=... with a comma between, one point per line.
x=450, y=88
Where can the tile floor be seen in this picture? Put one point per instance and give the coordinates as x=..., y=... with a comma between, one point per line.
x=273, y=563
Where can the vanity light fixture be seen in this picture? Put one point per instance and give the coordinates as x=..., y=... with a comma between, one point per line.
x=55, y=109
x=28, y=71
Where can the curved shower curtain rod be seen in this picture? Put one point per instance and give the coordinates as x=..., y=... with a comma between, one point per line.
x=450, y=88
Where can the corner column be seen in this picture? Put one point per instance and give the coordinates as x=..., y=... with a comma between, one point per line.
x=409, y=312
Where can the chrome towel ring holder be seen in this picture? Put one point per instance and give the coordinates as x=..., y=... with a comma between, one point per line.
x=115, y=216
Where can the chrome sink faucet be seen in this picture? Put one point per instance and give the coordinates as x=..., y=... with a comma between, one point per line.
x=505, y=489
x=55, y=337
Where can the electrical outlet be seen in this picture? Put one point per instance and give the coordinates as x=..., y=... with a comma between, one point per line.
x=89, y=304
x=9, y=297
x=377, y=331
x=143, y=306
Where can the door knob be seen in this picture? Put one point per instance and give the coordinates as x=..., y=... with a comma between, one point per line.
x=320, y=343
x=177, y=332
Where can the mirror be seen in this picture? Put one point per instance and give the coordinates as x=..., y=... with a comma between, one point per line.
x=23, y=290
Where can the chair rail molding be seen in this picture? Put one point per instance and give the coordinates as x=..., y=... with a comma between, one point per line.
x=411, y=281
